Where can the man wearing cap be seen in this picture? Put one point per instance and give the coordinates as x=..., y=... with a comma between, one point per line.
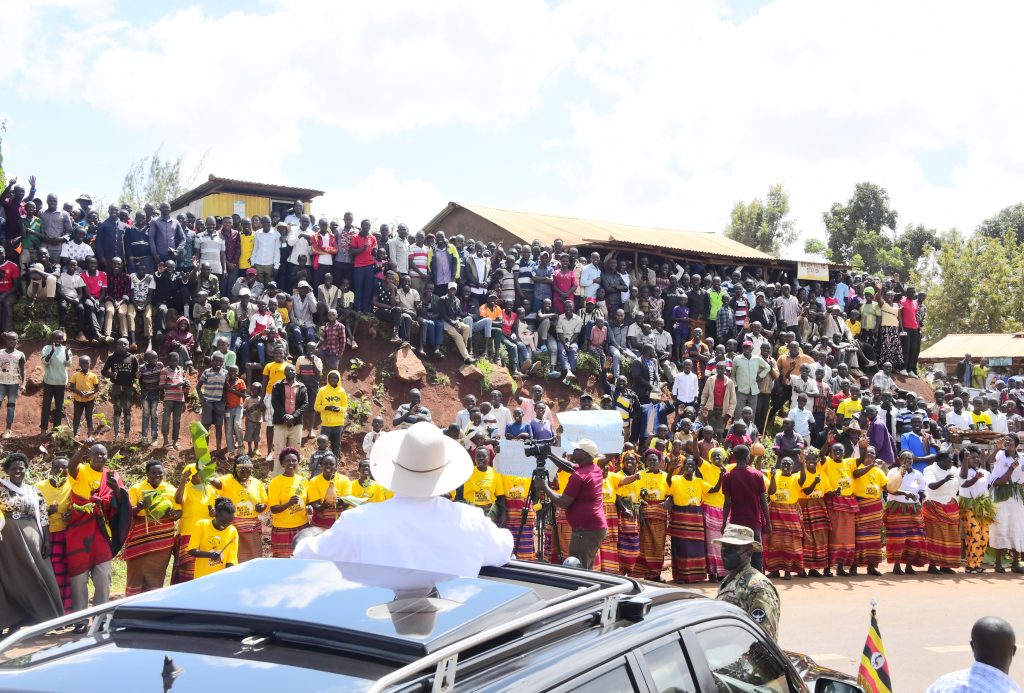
x=583, y=503
x=249, y=280
x=454, y=327
x=419, y=528
x=745, y=586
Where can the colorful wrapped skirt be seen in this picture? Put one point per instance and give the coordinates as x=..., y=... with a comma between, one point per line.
x=712, y=531
x=608, y=556
x=975, y=514
x=842, y=539
x=282, y=541
x=816, y=532
x=184, y=565
x=629, y=544
x=652, y=541
x=869, y=532
x=942, y=533
x=525, y=540
x=904, y=533
x=250, y=538
x=147, y=551
x=686, y=532
x=59, y=561
x=783, y=548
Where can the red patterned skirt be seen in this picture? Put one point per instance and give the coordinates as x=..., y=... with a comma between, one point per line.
x=713, y=530
x=842, y=540
x=942, y=533
x=869, y=531
x=184, y=565
x=629, y=544
x=783, y=548
x=686, y=529
x=525, y=540
x=904, y=533
x=250, y=538
x=59, y=561
x=282, y=541
x=608, y=556
x=816, y=532
x=147, y=551
x=652, y=541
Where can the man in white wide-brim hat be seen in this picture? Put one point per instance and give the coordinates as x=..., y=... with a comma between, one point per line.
x=418, y=528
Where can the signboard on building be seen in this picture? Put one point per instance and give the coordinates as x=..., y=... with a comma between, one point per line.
x=812, y=271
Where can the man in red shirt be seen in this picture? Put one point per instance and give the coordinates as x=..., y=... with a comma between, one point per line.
x=363, y=247
x=583, y=503
x=746, y=502
x=910, y=325
x=9, y=273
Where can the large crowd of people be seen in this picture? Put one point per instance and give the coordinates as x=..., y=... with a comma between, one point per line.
x=747, y=396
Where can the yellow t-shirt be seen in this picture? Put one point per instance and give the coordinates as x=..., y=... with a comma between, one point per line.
x=279, y=491
x=981, y=418
x=246, y=497
x=283, y=312
x=848, y=407
x=688, y=492
x=840, y=474
x=711, y=474
x=206, y=537
x=787, y=489
x=656, y=485
x=316, y=490
x=870, y=485
x=166, y=490
x=248, y=243
x=59, y=496
x=479, y=488
x=373, y=492
x=630, y=491
x=821, y=489
x=84, y=382
x=196, y=502
x=609, y=486
x=87, y=481
x=511, y=487
x=274, y=372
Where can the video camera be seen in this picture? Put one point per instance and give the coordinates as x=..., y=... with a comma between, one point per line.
x=540, y=452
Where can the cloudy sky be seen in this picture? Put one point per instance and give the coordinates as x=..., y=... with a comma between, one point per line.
x=661, y=113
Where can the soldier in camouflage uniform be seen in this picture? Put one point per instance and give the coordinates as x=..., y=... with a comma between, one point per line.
x=745, y=586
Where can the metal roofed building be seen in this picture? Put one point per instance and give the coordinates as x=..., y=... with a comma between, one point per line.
x=509, y=227
x=219, y=196
x=1006, y=350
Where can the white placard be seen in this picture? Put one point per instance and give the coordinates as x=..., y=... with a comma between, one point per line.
x=601, y=426
x=512, y=460
x=812, y=271
x=240, y=207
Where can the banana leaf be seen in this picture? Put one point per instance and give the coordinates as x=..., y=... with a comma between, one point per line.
x=353, y=501
x=205, y=465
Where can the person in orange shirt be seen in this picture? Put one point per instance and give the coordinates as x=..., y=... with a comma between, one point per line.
x=494, y=313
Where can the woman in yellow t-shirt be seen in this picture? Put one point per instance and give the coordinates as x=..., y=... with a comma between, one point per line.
x=868, y=482
x=214, y=543
x=366, y=487
x=287, y=498
x=842, y=510
x=685, y=503
x=653, y=528
x=783, y=547
x=627, y=505
x=814, y=485
x=196, y=502
x=711, y=471
x=325, y=492
x=608, y=556
x=250, y=498
x=479, y=487
x=510, y=493
x=147, y=550
x=56, y=492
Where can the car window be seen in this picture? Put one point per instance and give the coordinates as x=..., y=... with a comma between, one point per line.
x=612, y=677
x=668, y=668
x=741, y=662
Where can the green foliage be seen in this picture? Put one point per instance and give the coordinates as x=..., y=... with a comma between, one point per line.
x=61, y=439
x=356, y=364
x=486, y=367
x=1008, y=219
x=436, y=377
x=155, y=179
x=916, y=239
x=762, y=223
x=359, y=411
x=813, y=246
x=974, y=285
x=587, y=364
x=857, y=227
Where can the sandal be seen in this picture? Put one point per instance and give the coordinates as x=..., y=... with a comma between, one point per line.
x=1000, y=569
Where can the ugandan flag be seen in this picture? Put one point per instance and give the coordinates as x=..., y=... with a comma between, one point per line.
x=873, y=675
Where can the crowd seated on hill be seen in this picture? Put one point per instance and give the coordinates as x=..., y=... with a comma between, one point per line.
x=721, y=373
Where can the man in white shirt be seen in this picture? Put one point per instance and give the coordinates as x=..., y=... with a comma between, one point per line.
x=295, y=215
x=419, y=528
x=958, y=418
x=941, y=515
x=502, y=414
x=266, y=256
x=398, y=250
x=686, y=386
x=803, y=384
x=994, y=644
x=590, y=277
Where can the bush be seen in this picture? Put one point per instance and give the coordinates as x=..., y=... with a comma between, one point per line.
x=587, y=364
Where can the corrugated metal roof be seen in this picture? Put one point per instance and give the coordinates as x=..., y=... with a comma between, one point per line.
x=954, y=346
x=214, y=184
x=547, y=227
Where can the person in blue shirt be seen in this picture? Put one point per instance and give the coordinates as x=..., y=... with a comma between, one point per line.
x=918, y=443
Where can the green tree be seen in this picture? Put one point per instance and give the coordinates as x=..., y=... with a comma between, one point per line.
x=974, y=285
x=814, y=246
x=762, y=223
x=155, y=179
x=857, y=228
x=915, y=239
x=1008, y=219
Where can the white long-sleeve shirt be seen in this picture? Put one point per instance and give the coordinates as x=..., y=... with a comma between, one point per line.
x=685, y=387
x=945, y=493
x=265, y=249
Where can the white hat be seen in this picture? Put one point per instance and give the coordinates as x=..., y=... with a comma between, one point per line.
x=588, y=446
x=420, y=461
x=244, y=291
x=305, y=284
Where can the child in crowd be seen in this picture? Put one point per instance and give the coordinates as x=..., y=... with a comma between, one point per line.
x=84, y=386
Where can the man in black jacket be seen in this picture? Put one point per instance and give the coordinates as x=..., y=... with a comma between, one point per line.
x=289, y=401
x=645, y=374
x=454, y=327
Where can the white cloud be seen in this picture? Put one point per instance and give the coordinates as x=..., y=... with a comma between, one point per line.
x=384, y=198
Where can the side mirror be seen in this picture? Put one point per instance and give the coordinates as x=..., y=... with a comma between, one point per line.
x=827, y=685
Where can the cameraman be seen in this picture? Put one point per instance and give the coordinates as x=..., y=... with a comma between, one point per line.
x=583, y=503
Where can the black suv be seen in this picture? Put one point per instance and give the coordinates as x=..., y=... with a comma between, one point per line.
x=296, y=626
